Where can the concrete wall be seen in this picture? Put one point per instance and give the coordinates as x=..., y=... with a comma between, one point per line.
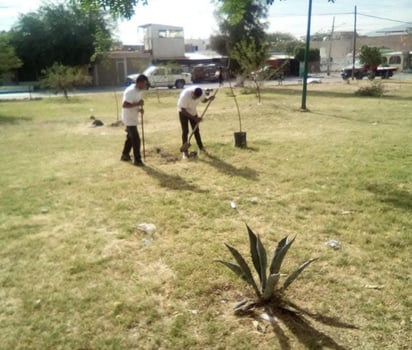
x=118, y=66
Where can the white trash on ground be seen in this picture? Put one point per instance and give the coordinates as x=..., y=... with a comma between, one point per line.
x=333, y=243
x=147, y=228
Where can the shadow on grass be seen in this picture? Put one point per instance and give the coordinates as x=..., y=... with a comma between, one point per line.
x=230, y=169
x=13, y=120
x=332, y=94
x=173, y=182
x=298, y=321
x=387, y=194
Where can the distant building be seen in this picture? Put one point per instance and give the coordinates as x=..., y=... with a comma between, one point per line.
x=163, y=41
x=337, y=51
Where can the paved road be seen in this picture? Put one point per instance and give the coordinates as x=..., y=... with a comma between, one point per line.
x=333, y=78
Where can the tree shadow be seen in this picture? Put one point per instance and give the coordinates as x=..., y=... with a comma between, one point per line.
x=173, y=182
x=13, y=120
x=331, y=93
x=229, y=169
x=385, y=193
x=298, y=322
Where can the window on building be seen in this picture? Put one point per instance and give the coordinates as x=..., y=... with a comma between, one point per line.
x=395, y=60
x=171, y=33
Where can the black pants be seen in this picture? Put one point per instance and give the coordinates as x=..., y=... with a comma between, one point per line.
x=132, y=141
x=184, y=122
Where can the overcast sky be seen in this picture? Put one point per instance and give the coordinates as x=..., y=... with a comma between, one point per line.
x=290, y=16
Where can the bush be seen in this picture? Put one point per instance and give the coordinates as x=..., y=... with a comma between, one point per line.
x=374, y=89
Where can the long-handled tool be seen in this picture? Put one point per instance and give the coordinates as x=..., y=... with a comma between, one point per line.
x=143, y=145
x=185, y=147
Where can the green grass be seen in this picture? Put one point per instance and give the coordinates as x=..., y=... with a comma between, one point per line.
x=75, y=273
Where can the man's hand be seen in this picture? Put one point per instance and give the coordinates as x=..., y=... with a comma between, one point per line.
x=211, y=98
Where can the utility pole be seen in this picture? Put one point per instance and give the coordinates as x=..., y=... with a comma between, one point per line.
x=330, y=45
x=354, y=47
x=305, y=68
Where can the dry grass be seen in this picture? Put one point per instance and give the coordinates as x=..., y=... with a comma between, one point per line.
x=77, y=274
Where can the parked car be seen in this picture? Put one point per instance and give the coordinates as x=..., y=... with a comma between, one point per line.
x=201, y=73
x=361, y=71
x=163, y=76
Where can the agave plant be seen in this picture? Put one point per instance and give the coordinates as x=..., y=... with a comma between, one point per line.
x=269, y=286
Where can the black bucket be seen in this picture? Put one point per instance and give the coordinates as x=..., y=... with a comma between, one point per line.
x=240, y=139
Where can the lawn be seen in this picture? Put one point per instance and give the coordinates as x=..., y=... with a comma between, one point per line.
x=76, y=273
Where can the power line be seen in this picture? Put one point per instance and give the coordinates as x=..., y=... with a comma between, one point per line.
x=384, y=18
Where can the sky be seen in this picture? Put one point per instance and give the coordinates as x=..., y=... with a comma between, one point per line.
x=288, y=16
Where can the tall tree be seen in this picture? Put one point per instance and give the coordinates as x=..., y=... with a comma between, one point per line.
x=9, y=61
x=61, y=33
x=118, y=8
x=283, y=42
x=242, y=25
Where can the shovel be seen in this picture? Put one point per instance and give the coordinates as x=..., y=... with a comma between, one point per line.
x=144, y=149
x=185, y=147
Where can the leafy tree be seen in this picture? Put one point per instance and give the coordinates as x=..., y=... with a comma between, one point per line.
x=59, y=33
x=63, y=78
x=313, y=54
x=242, y=25
x=8, y=58
x=118, y=8
x=283, y=42
x=370, y=56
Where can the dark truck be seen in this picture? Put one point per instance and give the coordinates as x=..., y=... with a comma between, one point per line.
x=361, y=71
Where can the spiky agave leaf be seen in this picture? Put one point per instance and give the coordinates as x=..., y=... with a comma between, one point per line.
x=297, y=272
x=245, y=268
x=259, y=259
x=235, y=268
x=253, y=249
x=270, y=286
x=263, y=263
x=279, y=254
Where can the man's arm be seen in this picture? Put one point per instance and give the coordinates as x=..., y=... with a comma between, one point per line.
x=207, y=99
x=132, y=104
x=190, y=116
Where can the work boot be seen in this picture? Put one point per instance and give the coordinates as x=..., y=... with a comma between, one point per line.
x=125, y=158
x=138, y=163
x=203, y=151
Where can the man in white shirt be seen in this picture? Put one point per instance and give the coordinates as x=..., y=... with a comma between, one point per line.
x=188, y=100
x=132, y=104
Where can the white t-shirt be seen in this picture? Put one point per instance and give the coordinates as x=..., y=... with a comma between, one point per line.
x=187, y=102
x=132, y=95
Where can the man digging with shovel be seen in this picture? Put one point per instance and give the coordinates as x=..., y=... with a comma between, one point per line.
x=188, y=100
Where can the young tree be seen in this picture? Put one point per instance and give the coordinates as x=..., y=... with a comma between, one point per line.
x=9, y=61
x=63, y=78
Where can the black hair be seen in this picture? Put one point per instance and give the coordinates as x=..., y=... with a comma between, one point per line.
x=198, y=92
x=142, y=78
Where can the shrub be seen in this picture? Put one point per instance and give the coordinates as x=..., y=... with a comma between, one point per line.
x=374, y=89
x=269, y=289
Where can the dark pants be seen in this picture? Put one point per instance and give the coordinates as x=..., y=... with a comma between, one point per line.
x=184, y=122
x=132, y=141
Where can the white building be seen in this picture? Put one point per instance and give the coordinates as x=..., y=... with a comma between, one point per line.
x=163, y=41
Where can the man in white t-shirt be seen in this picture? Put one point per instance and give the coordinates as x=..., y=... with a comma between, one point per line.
x=131, y=105
x=188, y=100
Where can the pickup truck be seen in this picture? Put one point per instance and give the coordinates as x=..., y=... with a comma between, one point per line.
x=163, y=76
x=361, y=71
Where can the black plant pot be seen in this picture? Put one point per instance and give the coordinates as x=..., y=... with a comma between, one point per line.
x=240, y=139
